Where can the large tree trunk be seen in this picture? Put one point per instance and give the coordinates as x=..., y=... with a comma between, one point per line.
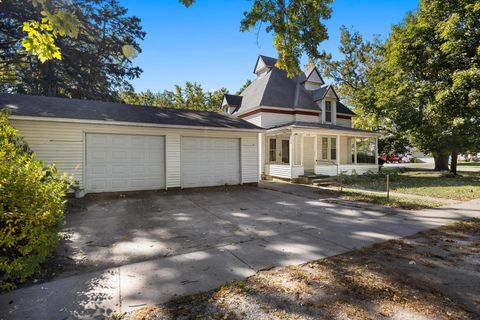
x=441, y=162
x=453, y=165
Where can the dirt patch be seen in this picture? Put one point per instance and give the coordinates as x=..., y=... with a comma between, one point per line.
x=432, y=275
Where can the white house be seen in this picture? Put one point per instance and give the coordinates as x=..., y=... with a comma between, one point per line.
x=118, y=147
x=308, y=131
x=277, y=127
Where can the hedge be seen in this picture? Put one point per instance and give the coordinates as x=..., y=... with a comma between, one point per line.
x=32, y=200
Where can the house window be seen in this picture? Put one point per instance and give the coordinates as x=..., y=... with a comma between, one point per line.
x=285, y=151
x=273, y=150
x=324, y=148
x=328, y=111
x=333, y=148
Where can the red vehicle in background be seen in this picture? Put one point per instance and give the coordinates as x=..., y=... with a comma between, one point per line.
x=394, y=158
x=385, y=158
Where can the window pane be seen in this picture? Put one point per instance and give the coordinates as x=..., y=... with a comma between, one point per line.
x=366, y=150
x=324, y=148
x=328, y=111
x=273, y=150
x=285, y=151
x=333, y=148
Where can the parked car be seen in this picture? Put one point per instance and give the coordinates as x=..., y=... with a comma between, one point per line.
x=394, y=158
x=382, y=158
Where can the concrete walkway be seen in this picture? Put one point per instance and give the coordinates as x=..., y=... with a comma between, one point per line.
x=283, y=229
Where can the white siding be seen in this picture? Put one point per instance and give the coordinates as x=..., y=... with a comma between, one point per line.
x=297, y=171
x=344, y=122
x=274, y=119
x=278, y=170
x=172, y=164
x=307, y=118
x=249, y=159
x=309, y=85
x=63, y=143
x=326, y=170
x=256, y=119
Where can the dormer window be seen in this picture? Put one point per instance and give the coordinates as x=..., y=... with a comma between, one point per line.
x=328, y=111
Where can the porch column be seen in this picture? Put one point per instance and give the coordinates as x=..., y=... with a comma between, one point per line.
x=338, y=150
x=376, y=150
x=301, y=149
x=291, y=151
x=355, y=149
x=315, y=151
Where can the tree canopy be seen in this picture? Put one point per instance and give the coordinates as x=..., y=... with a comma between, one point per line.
x=192, y=96
x=95, y=64
x=423, y=83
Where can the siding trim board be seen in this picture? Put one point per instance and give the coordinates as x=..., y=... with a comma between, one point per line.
x=250, y=113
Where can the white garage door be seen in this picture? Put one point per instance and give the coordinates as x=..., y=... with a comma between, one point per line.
x=210, y=162
x=116, y=162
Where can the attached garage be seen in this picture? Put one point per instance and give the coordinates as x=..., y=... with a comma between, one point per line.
x=118, y=162
x=210, y=162
x=116, y=147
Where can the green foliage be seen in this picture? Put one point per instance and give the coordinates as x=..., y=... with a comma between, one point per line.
x=192, y=97
x=96, y=58
x=297, y=27
x=423, y=83
x=355, y=76
x=31, y=207
x=430, y=88
x=41, y=35
x=244, y=86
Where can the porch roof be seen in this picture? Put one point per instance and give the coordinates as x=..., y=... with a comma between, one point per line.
x=318, y=125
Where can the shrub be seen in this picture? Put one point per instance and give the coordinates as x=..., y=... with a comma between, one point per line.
x=31, y=208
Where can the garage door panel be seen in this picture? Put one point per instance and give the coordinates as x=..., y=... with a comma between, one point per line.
x=124, y=162
x=210, y=161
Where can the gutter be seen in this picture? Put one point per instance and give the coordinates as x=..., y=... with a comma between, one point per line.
x=135, y=124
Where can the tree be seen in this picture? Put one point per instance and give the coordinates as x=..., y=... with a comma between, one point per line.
x=191, y=96
x=244, y=86
x=296, y=24
x=431, y=81
x=93, y=65
x=355, y=76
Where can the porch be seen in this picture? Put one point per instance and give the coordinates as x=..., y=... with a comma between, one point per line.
x=294, y=153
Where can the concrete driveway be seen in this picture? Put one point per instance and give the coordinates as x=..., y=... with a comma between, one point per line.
x=144, y=248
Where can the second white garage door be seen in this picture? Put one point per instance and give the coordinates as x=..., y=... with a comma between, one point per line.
x=117, y=162
x=210, y=162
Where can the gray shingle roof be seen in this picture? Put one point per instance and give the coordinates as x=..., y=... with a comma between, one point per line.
x=303, y=124
x=269, y=61
x=233, y=100
x=341, y=108
x=37, y=106
x=275, y=89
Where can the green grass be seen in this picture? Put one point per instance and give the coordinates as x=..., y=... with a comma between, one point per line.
x=465, y=186
x=468, y=164
x=393, y=201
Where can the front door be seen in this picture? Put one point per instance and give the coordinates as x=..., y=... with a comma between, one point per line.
x=309, y=154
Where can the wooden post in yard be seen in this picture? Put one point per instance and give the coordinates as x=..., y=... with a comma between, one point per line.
x=388, y=186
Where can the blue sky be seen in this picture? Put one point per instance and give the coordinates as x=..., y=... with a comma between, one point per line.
x=203, y=43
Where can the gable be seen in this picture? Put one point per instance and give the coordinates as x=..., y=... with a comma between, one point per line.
x=314, y=76
x=331, y=94
x=260, y=66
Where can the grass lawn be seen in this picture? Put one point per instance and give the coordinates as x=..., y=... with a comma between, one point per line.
x=393, y=201
x=465, y=186
x=432, y=275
